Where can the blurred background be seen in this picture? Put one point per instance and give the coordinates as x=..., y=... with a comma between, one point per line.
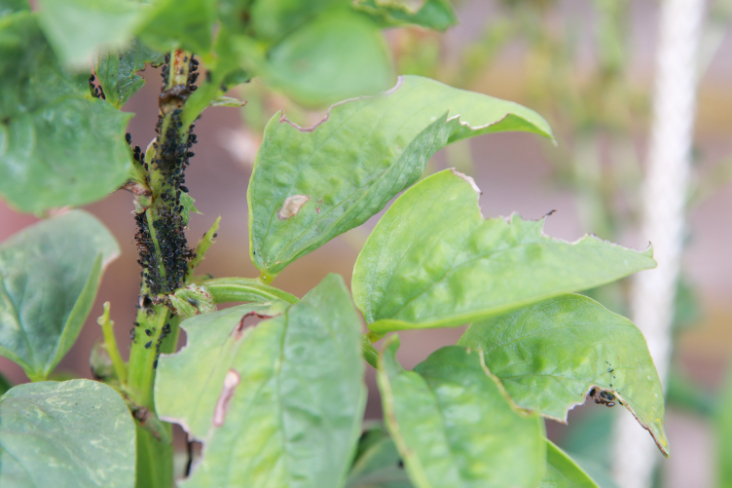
x=588, y=67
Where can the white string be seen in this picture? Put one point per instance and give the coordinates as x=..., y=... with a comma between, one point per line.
x=664, y=198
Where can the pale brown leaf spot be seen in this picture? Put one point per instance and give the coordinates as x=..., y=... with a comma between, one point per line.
x=291, y=206
x=231, y=380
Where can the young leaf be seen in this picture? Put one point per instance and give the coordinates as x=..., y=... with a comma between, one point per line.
x=78, y=29
x=117, y=70
x=454, y=426
x=75, y=434
x=551, y=354
x=310, y=185
x=58, y=147
x=432, y=14
x=49, y=275
x=286, y=395
x=378, y=463
x=338, y=55
x=434, y=261
x=187, y=24
x=562, y=471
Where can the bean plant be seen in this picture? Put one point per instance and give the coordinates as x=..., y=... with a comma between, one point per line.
x=273, y=387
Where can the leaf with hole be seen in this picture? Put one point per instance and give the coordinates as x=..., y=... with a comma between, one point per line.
x=49, y=276
x=551, y=354
x=434, y=261
x=299, y=198
x=287, y=394
x=454, y=426
x=75, y=434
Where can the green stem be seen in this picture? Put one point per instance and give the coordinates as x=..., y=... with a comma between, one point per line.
x=144, y=353
x=227, y=290
x=110, y=344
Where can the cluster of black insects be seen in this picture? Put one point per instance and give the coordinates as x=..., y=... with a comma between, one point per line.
x=171, y=158
x=165, y=332
x=96, y=90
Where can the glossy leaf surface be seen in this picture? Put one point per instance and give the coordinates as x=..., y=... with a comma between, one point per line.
x=310, y=185
x=117, y=70
x=338, y=55
x=58, y=146
x=286, y=395
x=454, y=426
x=77, y=29
x=432, y=14
x=49, y=275
x=434, y=261
x=562, y=471
x=551, y=354
x=75, y=434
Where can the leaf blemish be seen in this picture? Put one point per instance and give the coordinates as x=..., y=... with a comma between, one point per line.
x=292, y=206
x=231, y=380
x=239, y=330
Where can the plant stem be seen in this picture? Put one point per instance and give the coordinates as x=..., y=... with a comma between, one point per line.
x=110, y=344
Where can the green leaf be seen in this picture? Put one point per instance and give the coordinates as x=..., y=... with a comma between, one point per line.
x=299, y=199
x=227, y=290
x=75, y=434
x=434, y=261
x=117, y=70
x=287, y=395
x=432, y=14
x=723, y=431
x=8, y=7
x=551, y=354
x=78, y=29
x=274, y=19
x=189, y=205
x=338, y=55
x=187, y=24
x=453, y=425
x=562, y=471
x=58, y=147
x=5, y=384
x=49, y=275
x=378, y=463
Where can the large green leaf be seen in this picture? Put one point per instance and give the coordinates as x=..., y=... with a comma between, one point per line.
x=8, y=7
x=273, y=20
x=455, y=427
x=117, y=70
x=433, y=14
x=551, y=354
x=310, y=185
x=434, y=261
x=287, y=396
x=338, y=55
x=378, y=463
x=58, y=146
x=49, y=275
x=78, y=29
x=75, y=434
x=187, y=24
x=562, y=471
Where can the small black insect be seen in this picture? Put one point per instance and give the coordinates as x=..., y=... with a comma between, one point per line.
x=148, y=344
x=148, y=332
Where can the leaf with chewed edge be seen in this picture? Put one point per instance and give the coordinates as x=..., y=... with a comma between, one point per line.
x=434, y=261
x=551, y=354
x=381, y=144
x=454, y=426
x=286, y=396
